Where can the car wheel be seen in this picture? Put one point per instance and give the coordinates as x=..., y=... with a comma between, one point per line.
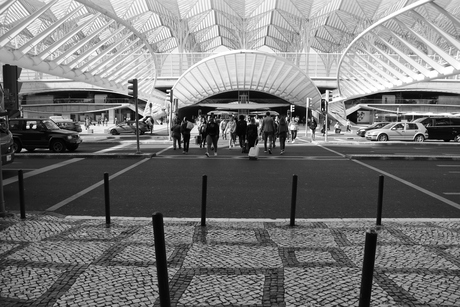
x=30, y=149
x=72, y=147
x=114, y=132
x=142, y=132
x=419, y=138
x=383, y=138
x=17, y=147
x=57, y=146
x=457, y=138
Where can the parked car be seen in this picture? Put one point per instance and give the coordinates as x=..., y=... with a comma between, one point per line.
x=66, y=123
x=6, y=140
x=31, y=133
x=399, y=131
x=362, y=131
x=129, y=127
x=441, y=128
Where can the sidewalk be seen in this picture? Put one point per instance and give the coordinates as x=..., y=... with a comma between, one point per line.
x=76, y=261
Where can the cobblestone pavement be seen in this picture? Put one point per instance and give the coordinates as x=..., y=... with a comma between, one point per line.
x=55, y=261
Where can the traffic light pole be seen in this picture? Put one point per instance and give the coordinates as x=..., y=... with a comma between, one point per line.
x=325, y=127
x=133, y=91
x=137, y=127
x=306, y=116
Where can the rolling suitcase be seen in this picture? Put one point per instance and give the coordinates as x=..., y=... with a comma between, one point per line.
x=253, y=153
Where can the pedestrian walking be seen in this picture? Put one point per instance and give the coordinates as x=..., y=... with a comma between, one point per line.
x=212, y=135
x=313, y=125
x=176, y=135
x=293, y=127
x=240, y=130
x=87, y=123
x=267, y=131
x=185, y=131
x=276, y=121
x=223, y=125
x=337, y=127
x=252, y=133
x=348, y=126
x=202, y=130
x=283, y=132
x=230, y=131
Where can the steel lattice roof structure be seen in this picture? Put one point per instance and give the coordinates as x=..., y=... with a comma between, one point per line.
x=107, y=42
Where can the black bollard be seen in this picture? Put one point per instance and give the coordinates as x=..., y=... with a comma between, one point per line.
x=161, y=260
x=22, y=204
x=204, y=189
x=380, y=201
x=368, y=269
x=293, y=200
x=107, y=198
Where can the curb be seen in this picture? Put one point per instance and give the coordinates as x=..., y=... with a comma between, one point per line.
x=401, y=157
x=85, y=155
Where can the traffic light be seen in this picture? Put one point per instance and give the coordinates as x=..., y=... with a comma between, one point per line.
x=329, y=95
x=132, y=87
x=169, y=97
x=292, y=108
x=323, y=106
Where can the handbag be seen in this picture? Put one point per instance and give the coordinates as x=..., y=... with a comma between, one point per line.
x=190, y=125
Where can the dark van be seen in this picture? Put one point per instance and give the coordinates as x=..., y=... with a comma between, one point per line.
x=441, y=128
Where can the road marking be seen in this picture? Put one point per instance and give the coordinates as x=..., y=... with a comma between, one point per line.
x=436, y=196
x=113, y=148
x=42, y=170
x=455, y=165
x=94, y=186
x=163, y=150
x=333, y=151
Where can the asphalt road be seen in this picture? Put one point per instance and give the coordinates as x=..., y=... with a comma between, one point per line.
x=330, y=185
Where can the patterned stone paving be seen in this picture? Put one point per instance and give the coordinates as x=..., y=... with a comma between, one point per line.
x=54, y=261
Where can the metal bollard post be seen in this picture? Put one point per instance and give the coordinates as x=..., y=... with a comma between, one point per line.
x=22, y=205
x=380, y=201
x=368, y=268
x=161, y=260
x=293, y=200
x=107, y=199
x=204, y=189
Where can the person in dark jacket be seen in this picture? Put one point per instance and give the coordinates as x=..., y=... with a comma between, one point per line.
x=252, y=133
x=267, y=131
x=240, y=131
x=176, y=134
x=212, y=135
x=185, y=135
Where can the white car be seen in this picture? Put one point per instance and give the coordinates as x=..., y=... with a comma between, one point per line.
x=399, y=131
